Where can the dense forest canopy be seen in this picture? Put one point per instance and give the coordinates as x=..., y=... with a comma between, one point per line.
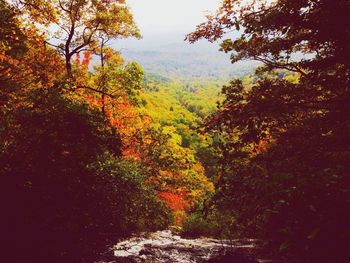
x=285, y=143
x=95, y=148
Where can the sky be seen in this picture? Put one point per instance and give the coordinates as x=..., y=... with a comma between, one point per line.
x=164, y=22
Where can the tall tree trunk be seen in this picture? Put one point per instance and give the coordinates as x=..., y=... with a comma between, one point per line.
x=69, y=67
x=103, y=86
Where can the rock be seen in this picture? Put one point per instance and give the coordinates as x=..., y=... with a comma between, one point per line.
x=164, y=246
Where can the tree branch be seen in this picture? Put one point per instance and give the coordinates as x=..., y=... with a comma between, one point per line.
x=274, y=64
x=64, y=9
x=95, y=90
x=48, y=43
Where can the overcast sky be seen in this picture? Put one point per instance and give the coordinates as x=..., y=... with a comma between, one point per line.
x=167, y=21
x=164, y=16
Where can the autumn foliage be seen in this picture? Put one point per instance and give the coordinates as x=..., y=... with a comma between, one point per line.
x=82, y=165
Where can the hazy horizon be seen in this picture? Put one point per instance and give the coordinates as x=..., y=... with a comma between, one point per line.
x=162, y=50
x=165, y=22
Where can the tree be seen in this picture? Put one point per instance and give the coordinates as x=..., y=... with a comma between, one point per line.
x=173, y=169
x=25, y=64
x=116, y=79
x=67, y=194
x=284, y=177
x=44, y=153
x=81, y=24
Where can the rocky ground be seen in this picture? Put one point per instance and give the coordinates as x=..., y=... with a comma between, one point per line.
x=164, y=246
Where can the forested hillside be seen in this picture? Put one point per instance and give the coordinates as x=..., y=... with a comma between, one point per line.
x=82, y=164
x=99, y=144
x=186, y=63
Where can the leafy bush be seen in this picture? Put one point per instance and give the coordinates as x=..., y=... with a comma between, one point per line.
x=213, y=224
x=135, y=201
x=65, y=193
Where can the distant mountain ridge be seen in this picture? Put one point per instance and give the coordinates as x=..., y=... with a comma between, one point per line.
x=181, y=60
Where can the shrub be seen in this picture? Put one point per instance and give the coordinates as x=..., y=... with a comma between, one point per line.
x=65, y=193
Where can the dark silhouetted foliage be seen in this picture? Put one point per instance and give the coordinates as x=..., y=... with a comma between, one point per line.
x=285, y=144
